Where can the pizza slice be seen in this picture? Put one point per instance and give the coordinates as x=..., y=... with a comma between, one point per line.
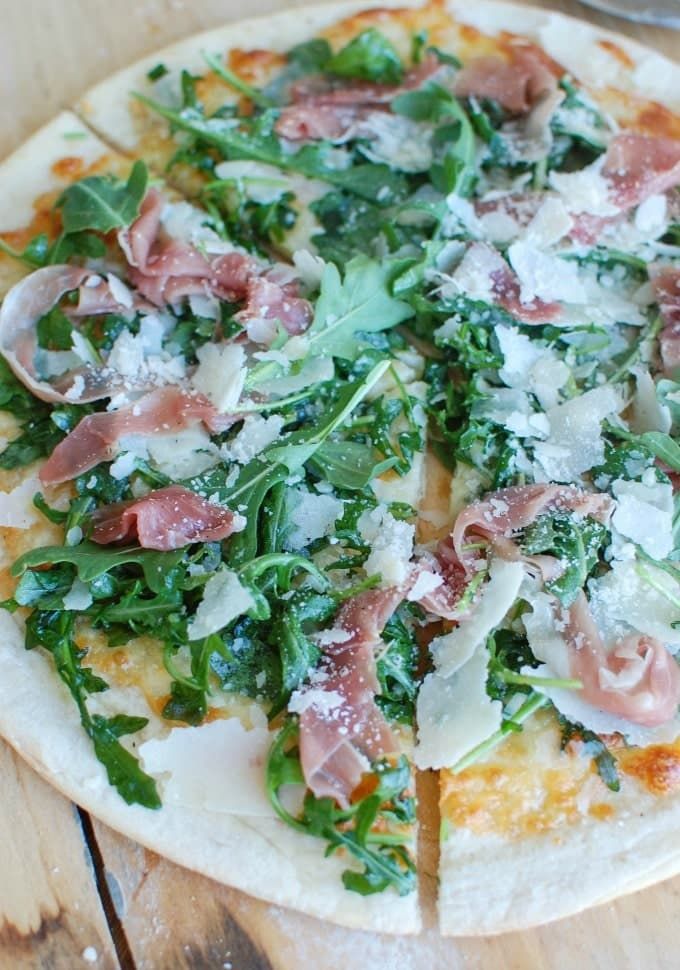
x=208, y=549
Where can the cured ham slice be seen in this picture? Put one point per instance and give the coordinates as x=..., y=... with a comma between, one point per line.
x=95, y=438
x=506, y=512
x=666, y=284
x=320, y=110
x=341, y=727
x=165, y=519
x=266, y=300
x=166, y=270
x=638, y=679
x=517, y=82
x=21, y=310
x=501, y=286
x=637, y=166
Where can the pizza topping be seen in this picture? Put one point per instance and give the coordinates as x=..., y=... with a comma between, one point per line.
x=96, y=438
x=484, y=275
x=340, y=725
x=168, y=518
x=517, y=82
x=328, y=111
x=506, y=512
x=666, y=284
x=637, y=679
x=639, y=166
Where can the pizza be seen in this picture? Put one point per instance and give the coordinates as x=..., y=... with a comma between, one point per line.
x=339, y=399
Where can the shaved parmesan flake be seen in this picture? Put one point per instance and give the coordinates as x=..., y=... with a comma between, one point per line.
x=550, y=224
x=224, y=598
x=397, y=141
x=78, y=597
x=455, y=713
x=498, y=595
x=543, y=276
x=473, y=276
x=187, y=224
x=425, y=583
x=648, y=413
x=575, y=443
x=636, y=596
x=644, y=513
x=255, y=435
x=313, y=517
x=391, y=545
x=215, y=767
x=650, y=216
x=584, y=191
x=221, y=374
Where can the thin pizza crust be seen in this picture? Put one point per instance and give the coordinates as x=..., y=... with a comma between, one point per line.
x=487, y=883
x=31, y=178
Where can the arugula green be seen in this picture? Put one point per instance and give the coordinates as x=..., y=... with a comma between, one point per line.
x=593, y=747
x=576, y=544
x=54, y=632
x=102, y=202
x=361, y=302
x=368, y=831
x=369, y=57
x=254, y=139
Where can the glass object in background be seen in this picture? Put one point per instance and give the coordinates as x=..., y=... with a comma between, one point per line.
x=665, y=13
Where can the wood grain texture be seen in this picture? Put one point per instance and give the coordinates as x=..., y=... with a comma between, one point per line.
x=50, y=912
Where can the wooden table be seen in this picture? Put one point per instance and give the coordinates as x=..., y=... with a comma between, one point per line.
x=73, y=893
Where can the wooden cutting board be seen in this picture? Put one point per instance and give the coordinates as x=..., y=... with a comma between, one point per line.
x=75, y=894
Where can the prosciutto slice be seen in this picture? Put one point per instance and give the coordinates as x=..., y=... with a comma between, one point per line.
x=341, y=727
x=166, y=270
x=22, y=308
x=482, y=259
x=666, y=284
x=637, y=166
x=95, y=438
x=168, y=518
x=323, y=111
x=638, y=679
x=517, y=82
x=506, y=512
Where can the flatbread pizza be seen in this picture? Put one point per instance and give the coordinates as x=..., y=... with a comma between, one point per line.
x=245, y=599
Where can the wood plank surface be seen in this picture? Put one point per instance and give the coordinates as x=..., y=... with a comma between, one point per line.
x=161, y=916
x=50, y=911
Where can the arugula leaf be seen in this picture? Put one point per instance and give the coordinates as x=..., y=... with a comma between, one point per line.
x=311, y=56
x=361, y=302
x=368, y=830
x=102, y=202
x=348, y=464
x=594, y=747
x=54, y=632
x=35, y=253
x=92, y=561
x=369, y=57
x=396, y=669
x=576, y=544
